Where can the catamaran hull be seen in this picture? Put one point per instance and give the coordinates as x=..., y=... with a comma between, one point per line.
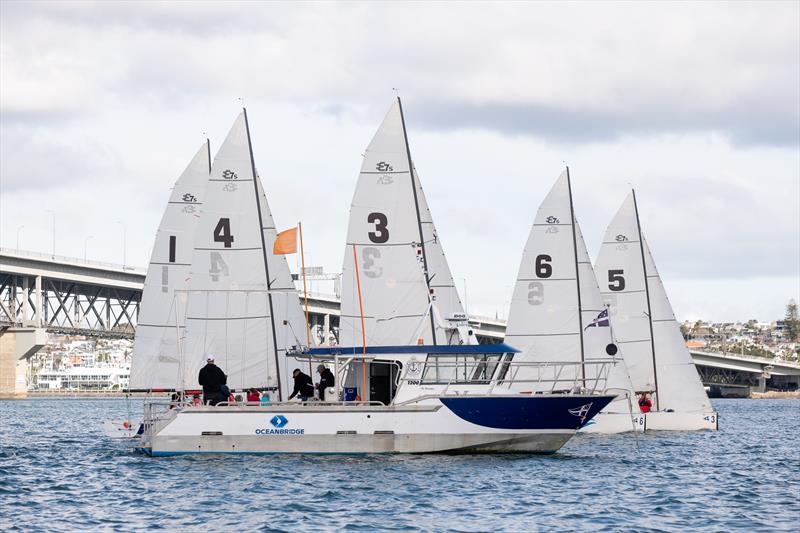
x=610, y=423
x=674, y=421
x=523, y=425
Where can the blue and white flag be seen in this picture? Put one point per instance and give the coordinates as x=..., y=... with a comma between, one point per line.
x=600, y=321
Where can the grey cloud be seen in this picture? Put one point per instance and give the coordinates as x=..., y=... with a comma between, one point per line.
x=743, y=125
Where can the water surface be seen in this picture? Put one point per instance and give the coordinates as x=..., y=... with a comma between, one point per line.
x=59, y=473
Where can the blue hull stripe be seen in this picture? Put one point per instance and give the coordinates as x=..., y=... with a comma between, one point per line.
x=528, y=412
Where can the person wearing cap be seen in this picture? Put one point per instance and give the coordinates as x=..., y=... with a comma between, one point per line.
x=303, y=385
x=212, y=378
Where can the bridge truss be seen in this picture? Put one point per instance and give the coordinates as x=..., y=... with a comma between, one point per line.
x=63, y=306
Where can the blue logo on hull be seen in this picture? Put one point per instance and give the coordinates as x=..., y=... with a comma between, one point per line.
x=279, y=421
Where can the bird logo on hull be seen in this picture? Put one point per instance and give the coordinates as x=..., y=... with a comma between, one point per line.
x=581, y=411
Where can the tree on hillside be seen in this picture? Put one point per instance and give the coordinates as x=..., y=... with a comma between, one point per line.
x=792, y=321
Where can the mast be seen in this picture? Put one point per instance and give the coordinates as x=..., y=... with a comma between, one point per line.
x=208, y=151
x=647, y=294
x=577, y=279
x=419, y=219
x=264, y=251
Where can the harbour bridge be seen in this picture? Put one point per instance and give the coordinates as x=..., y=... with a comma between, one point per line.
x=41, y=293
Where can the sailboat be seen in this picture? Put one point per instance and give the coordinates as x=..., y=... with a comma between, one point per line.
x=557, y=314
x=240, y=306
x=644, y=324
x=409, y=296
x=155, y=360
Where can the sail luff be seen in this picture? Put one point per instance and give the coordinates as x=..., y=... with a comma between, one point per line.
x=647, y=296
x=155, y=354
x=577, y=278
x=419, y=219
x=264, y=252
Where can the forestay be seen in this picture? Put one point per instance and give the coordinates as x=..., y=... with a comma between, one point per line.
x=156, y=359
x=230, y=306
x=643, y=320
x=385, y=230
x=556, y=311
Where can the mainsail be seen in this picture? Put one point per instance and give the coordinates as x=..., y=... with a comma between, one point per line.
x=155, y=360
x=557, y=314
x=642, y=316
x=401, y=265
x=235, y=299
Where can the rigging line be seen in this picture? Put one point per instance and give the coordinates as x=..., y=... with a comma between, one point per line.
x=264, y=253
x=647, y=294
x=577, y=277
x=419, y=218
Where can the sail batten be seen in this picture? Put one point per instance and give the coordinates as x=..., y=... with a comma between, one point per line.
x=642, y=316
x=238, y=290
x=556, y=309
x=155, y=358
x=396, y=245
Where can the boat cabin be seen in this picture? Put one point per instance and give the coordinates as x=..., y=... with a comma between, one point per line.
x=391, y=374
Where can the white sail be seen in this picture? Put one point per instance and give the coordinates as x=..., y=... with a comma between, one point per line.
x=290, y=321
x=229, y=311
x=451, y=320
x=635, y=296
x=556, y=308
x=155, y=360
x=384, y=228
x=543, y=319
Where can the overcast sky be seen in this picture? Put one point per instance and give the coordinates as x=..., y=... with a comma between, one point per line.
x=696, y=105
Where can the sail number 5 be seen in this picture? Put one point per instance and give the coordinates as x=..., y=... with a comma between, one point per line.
x=381, y=233
x=616, y=281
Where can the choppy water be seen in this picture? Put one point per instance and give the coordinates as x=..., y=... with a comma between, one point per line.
x=59, y=473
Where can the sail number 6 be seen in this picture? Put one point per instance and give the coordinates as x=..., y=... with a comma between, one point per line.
x=381, y=233
x=543, y=267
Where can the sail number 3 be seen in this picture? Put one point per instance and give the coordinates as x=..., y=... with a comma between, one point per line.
x=381, y=233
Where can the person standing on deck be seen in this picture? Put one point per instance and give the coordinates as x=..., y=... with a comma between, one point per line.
x=212, y=378
x=303, y=385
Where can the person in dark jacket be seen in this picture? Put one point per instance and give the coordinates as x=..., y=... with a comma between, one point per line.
x=212, y=378
x=326, y=380
x=303, y=385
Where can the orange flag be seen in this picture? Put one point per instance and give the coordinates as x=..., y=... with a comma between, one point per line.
x=285, y=242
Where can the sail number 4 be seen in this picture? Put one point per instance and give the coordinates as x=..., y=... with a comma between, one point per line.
x=222, y=233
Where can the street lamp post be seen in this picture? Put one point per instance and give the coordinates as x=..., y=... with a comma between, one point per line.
x=124, y=243
x=85, y=245
x=53, y=214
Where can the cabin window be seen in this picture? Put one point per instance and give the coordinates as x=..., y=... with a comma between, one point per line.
x=460, y=368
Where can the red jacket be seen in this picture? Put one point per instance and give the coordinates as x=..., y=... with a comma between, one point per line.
x=253, y=397
x=645, y=405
